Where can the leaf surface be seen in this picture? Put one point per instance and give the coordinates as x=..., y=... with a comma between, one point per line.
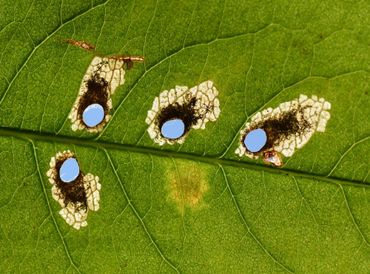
x=196, y=207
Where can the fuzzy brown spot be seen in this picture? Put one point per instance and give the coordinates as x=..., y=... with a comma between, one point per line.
x=187, y=185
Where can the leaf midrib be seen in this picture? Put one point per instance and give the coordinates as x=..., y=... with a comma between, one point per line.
x=217, y=161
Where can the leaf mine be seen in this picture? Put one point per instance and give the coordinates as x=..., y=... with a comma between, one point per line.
x=287, y=127
x=92, y=107
x=76, y=197
x=176, y=111
x=100, y=81
x=187, y=185
x=81, y=44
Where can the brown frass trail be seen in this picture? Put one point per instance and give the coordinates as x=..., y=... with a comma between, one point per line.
x=194, y=107
x=97, y=93
x=185, y=112
x=282, y=127
x=76, y=197
x=287, y=127
x=103, y=76
x=73, y=192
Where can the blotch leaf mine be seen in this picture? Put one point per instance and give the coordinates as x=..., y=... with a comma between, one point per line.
x=76, y=197
x=239, y=215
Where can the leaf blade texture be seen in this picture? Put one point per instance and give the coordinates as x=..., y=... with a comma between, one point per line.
x=196, y=207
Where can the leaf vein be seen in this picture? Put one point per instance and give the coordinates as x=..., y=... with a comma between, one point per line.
x=40, y=44
x=247, y=227
x=278, y=93
x=353, y=217
x=136, y=213
x=346, y=152
x=169, y=58
x=50, y=209
x=50, y=137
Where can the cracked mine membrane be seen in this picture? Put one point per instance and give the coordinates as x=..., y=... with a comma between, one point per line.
x=195, y=107
x=100, y=81
x=288, y=127
x=77, y=197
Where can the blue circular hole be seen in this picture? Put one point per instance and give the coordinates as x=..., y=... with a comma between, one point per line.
x=173, y=129
x=255, y=140
x=69, y=170
x=93, y=115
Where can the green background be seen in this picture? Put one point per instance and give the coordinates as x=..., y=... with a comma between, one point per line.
x=311, y=216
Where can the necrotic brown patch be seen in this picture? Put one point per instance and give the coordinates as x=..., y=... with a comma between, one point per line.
x=281, y=127
x=73, y=192
x=185, y=112
x=97, y=93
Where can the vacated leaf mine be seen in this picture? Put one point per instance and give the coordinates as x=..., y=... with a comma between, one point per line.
x=288, y=127
x=195, y=107
x=100, y=81
x=91, y=109
x=77, y=197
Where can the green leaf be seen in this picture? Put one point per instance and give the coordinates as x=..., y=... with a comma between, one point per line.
x=196, y=207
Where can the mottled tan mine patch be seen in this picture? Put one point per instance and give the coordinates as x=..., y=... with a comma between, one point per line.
x=187, y=185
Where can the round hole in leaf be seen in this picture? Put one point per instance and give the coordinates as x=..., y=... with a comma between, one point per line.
x=255, y=140
x=69, y=170
x=93, y=115
x=173, y=129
